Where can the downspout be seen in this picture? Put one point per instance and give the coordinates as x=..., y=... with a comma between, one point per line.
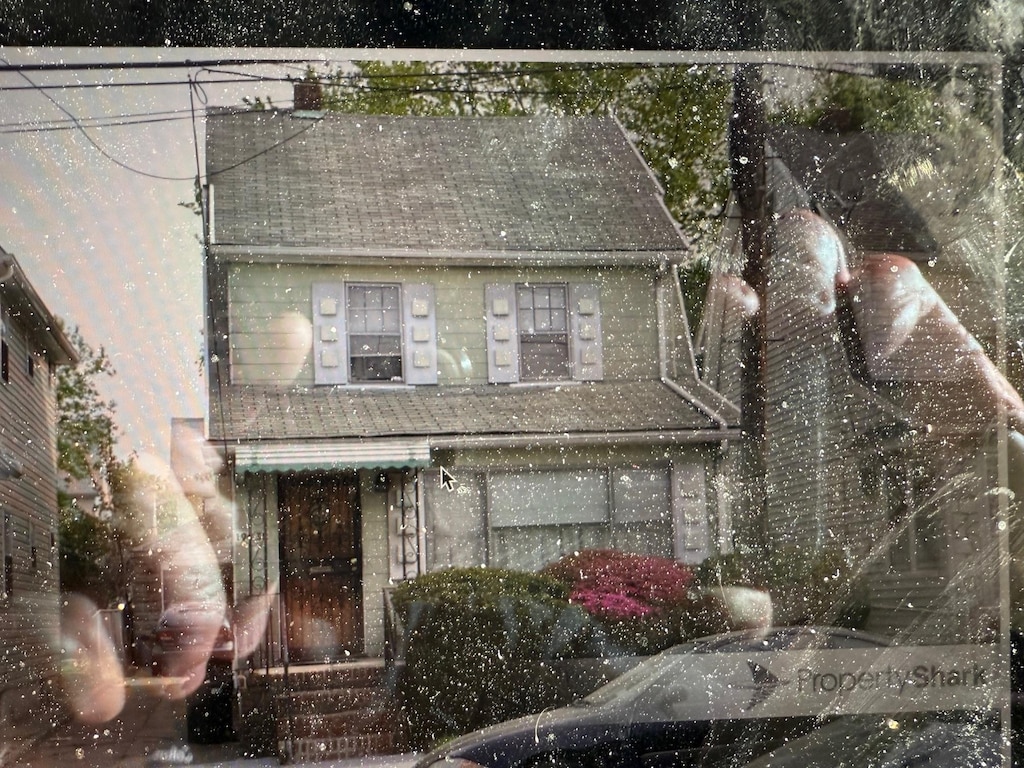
x=714, y=412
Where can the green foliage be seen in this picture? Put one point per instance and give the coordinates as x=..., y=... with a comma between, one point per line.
x=86, y=431
x=474, y=638
x=84, y=554
x=820, y=587
x=484, y=645
x=845, y=102
x=91, y=553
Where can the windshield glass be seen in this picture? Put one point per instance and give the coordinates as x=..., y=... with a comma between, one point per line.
x=466, y=360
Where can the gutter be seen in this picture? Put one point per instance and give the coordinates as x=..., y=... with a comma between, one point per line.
x=664, y=437
x=264, y=254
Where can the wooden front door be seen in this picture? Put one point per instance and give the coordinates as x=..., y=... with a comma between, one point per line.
x=321, y=565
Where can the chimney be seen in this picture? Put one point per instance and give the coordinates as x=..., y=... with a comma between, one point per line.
x=309, y=95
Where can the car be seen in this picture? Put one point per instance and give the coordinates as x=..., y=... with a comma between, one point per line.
x=189, y=636
x=938, y=740
x=694, y=703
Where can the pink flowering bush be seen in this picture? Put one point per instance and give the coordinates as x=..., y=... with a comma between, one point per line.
x=621, y=585
x=640, y=604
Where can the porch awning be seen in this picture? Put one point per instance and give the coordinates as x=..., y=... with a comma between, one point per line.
x=347, y=454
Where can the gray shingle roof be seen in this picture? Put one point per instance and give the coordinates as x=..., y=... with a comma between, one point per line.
x=264, y=413
x=465, y=184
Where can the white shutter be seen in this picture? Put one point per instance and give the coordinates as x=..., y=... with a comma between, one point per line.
x=502, y=334
x=330, y=348
x=585, y=321
x=419, y=324
x=690, y=510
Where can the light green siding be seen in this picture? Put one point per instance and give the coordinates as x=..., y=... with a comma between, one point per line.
x=270, y=317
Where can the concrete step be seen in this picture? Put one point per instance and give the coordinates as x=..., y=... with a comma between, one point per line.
x=310, y=750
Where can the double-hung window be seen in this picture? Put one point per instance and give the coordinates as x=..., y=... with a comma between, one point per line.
x=543, y=332
x=374, y=322
x=371, y=333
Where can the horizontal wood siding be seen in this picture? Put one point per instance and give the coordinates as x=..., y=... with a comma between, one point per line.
x=809, y=430
x=29, y=616
x=269, y=305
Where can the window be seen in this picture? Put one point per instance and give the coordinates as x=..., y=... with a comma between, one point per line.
x=543, y=332
x=30, y=365
x=529, y=519
x=372, y=333
x=913, y=519
x=5, y=362
x=537, y=517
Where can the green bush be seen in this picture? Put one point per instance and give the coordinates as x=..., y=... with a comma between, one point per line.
x=477, y=641
x=807, y=588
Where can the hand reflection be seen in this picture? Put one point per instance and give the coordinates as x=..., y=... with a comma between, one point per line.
x=181, y=549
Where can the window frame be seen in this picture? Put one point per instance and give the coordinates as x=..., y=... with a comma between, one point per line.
x=585, y=348
x=352, y=318
x=417, y=334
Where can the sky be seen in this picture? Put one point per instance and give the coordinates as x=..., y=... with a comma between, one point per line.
x=94, y=216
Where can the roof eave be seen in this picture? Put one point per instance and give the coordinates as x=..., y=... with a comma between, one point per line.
x=271, y=254
x=17, y=291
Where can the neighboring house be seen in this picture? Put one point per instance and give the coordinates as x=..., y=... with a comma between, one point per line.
x=31, y=347
x=443, y=342
x=893, y=465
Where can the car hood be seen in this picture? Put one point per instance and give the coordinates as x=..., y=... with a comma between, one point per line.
x=573, y=727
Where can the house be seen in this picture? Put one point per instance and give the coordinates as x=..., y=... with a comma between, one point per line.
x=884, y=446
x=32, y=345
x=440, y=342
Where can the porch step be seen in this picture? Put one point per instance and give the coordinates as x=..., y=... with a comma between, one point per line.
x=335, y=712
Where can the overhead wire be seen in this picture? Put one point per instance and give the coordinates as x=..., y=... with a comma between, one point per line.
x=85, y=134
x=360, y=81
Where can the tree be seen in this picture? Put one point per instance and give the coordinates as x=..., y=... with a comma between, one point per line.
x=92, y=557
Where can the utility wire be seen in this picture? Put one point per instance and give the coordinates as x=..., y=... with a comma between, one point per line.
x=69, y=126
x=89, y=138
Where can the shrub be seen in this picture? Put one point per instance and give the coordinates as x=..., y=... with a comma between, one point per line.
x=621, y=585
x=477, y=641
x=819, y=587
x=642, y=603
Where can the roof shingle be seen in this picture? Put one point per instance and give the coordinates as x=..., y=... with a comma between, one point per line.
x=420, y=183
x=249, y=413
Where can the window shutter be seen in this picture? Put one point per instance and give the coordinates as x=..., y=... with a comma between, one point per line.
x=330, y=348
x=419, y=354
x=502, y=334
x=587, y=347
x=690, y=509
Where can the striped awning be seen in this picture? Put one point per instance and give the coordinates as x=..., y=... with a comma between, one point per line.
x=327, y=455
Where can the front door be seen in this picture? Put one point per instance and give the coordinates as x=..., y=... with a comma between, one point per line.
x=321, y=565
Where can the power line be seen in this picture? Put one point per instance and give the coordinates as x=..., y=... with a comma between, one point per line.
x=98, y=148
x=105, y=121
x=117, y=65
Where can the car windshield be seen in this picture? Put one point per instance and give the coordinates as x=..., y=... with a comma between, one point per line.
x=375, y=376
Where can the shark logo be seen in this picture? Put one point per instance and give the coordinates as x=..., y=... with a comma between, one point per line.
x=765, y=684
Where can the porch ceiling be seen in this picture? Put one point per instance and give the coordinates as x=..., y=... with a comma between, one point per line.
x=266, y=413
